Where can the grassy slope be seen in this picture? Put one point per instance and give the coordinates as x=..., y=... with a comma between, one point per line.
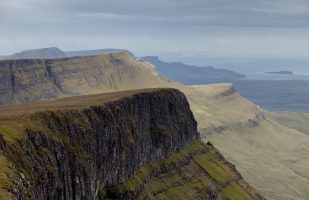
x=219, y=105
x=294, y=120
x=205, y=172
x=270, y=156
x=5, y=183
x=77, y=102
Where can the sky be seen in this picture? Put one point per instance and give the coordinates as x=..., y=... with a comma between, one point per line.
x=189, y=30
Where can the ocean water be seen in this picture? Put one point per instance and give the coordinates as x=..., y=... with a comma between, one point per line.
x=277, y=77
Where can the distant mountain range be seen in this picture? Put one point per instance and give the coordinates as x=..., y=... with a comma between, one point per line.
x=190, y=74
x=54, y=52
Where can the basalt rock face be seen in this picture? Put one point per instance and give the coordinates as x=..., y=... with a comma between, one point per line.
x=76, y=153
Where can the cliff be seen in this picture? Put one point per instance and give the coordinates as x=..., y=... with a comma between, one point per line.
x=38, y=79
x=121, y=145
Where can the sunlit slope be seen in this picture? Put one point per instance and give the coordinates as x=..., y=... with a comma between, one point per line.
x=192, y=173
x=218, y=106
x=294, y=120
x=271, y=157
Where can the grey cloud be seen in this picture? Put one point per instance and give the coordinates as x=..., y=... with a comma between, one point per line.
x=278, y=13
x=177, y=26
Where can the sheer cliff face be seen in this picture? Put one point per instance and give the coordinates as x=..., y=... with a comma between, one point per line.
x=30, y=80
x=75, y=153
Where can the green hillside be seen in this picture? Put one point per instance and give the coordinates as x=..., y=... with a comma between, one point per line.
x=204, y=170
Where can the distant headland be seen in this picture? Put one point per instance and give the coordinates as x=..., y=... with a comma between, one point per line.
x=281, y=72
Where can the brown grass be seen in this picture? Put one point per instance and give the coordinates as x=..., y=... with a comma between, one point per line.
x=77, y=102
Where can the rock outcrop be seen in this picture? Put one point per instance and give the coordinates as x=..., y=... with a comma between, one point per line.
x=74, y=153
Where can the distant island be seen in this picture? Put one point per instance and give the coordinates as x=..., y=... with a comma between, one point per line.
x=281, y=72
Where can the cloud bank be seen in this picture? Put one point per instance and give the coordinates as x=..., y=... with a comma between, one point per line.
x=230, y=28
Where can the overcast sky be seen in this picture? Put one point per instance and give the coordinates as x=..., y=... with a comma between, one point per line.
x=210, y=28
